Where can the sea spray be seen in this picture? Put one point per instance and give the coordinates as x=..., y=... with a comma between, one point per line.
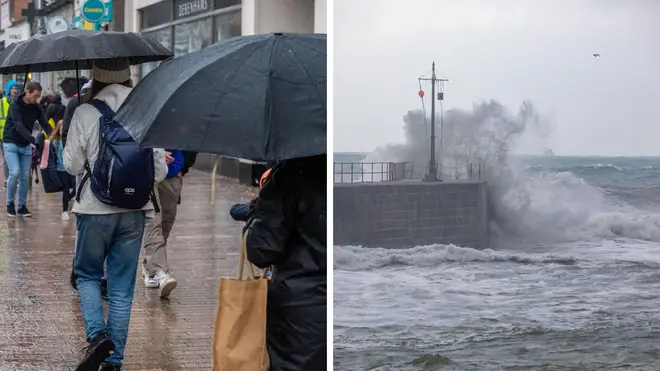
x=483, y=137
x=546, y=205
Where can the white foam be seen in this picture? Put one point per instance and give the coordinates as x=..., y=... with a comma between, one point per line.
x=353, y=258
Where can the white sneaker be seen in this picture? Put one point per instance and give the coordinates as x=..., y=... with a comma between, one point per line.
x=65, y=216
x=165, y=286
x=150, y=282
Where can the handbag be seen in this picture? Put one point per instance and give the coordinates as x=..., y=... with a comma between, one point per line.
x=239, y=335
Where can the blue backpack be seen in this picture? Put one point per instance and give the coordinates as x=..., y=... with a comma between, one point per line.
x=123, y=174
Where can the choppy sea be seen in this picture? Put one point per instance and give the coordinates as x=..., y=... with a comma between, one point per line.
x=577, y=287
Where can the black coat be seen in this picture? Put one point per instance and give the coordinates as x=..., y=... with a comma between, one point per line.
x=287, y=230
x=189, y=159
x=55, y=109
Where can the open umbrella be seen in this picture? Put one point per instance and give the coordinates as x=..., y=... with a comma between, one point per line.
x=259, y=97
x=78, y=49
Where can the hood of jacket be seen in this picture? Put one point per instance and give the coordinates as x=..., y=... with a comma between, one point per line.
x=21, y=102
x=10, y=84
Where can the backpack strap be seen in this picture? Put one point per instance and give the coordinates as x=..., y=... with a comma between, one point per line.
x=105, y=111
x=102, y=107
x=154, y=201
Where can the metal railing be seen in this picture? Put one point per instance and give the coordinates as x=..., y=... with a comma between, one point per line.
x=371, y=172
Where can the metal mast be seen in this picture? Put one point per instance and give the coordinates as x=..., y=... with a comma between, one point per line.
x=432, y=175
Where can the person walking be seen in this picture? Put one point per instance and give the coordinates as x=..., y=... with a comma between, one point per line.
x=11, y=90
x=105, y=230
x=17, y=142
x=57, y=146
x=73, y=103
x=286, y=230
x=55, y=111
x=155, y=267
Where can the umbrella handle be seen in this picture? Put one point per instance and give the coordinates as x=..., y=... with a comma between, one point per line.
x=215, y=168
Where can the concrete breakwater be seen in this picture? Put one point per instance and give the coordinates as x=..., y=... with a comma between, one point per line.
x=410, y=213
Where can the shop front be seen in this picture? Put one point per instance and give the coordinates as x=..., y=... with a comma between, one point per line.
x=14, y=34
x=185, y=26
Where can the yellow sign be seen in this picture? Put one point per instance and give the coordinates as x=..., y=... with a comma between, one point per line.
x=87, y=25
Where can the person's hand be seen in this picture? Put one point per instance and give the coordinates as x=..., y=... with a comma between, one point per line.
x=168, y=157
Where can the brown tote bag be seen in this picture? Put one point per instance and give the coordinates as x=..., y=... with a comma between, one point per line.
x=239, y=336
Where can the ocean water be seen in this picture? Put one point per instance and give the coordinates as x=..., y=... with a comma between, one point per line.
x=572, y=282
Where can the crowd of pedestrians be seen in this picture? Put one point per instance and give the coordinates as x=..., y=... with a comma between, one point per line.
x=285, y=225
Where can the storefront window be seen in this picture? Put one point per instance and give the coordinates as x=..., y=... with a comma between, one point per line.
x=156, y=14
x=190, y=37
x=163, y=36
x=194, y=36
x=227, y=25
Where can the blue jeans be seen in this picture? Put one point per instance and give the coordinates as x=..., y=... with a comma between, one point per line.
x=19, y=160
x=117, y=238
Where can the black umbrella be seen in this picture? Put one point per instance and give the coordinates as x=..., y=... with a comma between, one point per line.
x=77, y=49
x=260, y=97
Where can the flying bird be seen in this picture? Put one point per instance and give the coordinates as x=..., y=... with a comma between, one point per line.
x=596, y=55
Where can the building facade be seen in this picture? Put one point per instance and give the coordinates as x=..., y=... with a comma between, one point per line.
x=13, y=28
x=185, y=26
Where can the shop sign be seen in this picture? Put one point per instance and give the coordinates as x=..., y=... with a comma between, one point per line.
x=16, y=34
x=57, y=24
x=187, y=8
x=93, y=11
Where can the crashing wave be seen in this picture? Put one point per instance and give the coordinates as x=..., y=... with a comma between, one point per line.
x=551, y=205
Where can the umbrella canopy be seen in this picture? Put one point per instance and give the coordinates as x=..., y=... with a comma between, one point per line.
x=77, y=49
x=260, y=97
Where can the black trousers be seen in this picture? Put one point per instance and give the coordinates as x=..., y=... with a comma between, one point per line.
x=66, y=189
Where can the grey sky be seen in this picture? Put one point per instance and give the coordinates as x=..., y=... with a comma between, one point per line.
x=509, y=51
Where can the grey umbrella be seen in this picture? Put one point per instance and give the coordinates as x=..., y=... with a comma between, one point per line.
x=259, y=97
x=77, y=49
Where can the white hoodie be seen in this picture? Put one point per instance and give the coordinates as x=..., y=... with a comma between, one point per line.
x=82, y=146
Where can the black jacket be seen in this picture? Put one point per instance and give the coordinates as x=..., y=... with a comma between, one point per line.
x=20, y=121
x=56, y=109
x=68, y=114
x=189, y=159
x=287, y=230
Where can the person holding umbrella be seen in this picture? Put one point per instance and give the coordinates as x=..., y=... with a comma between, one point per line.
x=110, y=221
x=18, y=143
x=286, y=230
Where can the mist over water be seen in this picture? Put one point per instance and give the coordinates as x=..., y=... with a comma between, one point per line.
x=570, y=281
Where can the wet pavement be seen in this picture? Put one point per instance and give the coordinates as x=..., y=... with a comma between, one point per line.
x=41, y=326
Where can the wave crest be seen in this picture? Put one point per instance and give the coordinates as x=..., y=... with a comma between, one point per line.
x=354, y=258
